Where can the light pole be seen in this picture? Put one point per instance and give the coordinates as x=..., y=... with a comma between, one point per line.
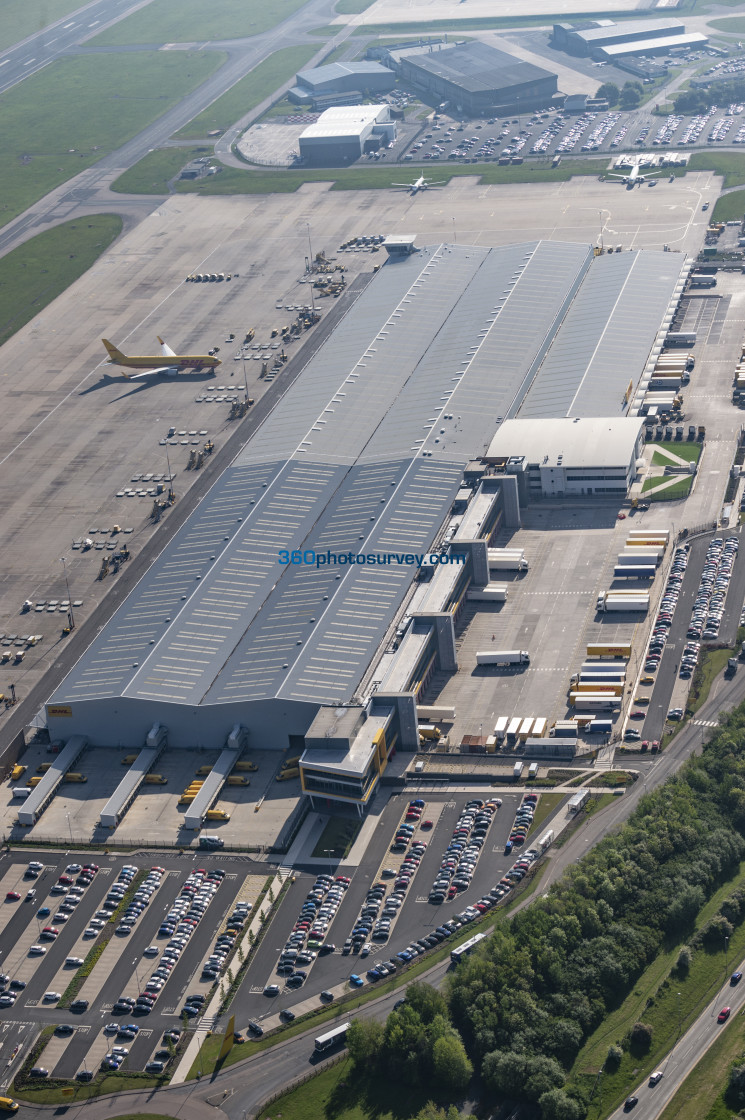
x=679, y=1019
x=70, y=617
x=310, y=270
x=69, y=826
x=726, y=950
x=329, y=852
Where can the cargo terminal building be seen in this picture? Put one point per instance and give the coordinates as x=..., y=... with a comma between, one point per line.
x=253, y=625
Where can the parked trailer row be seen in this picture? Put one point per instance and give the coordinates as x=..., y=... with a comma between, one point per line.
x=508, y=559
x=594, y=701
x=655, y=536
x=609, y=602
x=492, y=593
x=622, y=571
x=609, y=649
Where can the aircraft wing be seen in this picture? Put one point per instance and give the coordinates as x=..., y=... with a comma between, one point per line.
x=166, y=350
x=407, y=186
x=147, y=372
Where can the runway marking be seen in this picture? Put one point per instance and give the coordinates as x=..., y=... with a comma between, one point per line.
x=7, y=60
x=29, y=62
x=51, y=41
x=69, y=25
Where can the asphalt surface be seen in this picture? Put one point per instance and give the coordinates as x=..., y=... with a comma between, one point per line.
x=29, y=1013
x=417, y=917
x=37, y=51
x=26, y=709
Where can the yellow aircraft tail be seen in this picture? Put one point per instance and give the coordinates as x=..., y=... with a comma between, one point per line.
x=115, y=355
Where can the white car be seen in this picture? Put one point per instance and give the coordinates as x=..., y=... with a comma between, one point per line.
x=111, y=1028
x=37, y=950
x=151, y=951
x=52, y=997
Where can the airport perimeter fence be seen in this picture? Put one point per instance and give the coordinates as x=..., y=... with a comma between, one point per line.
x=68, y=842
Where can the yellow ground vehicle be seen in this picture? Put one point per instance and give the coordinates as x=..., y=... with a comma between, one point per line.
x=73, y=776
x=290, y=763
x=642, y=699
x=7, y=1104
x=186, y=798
x=647, y=680
x=245, y=764
x=203, y=771
x=33, y=782
x=43, y=767
x=155, y=780
x=285, y=775
x=217, y=815
x=238, y=780
x=128, y=759
x=17, y=772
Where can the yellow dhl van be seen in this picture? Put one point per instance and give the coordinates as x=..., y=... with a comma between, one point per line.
x=204, y=770
x=217, y=815
x=285, y=776
x=245, y=764
x=155, y=780
x=73, y=776
x=128, y=759
x=17, y=772
x=33, y=782
x=238, y=780
x=43, y=767
x=290, y=763
x=186, y=798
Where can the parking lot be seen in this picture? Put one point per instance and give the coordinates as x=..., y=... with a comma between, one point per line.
x=164, y=927
x=265, y=996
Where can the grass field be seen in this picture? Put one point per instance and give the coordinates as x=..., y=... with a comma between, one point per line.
x=711, y=664
x=248, y=92
x=162, y=21
x=680, y=489
x=729, y=207
x=730, y=165
x=735, y=25
x=21, y=18
x=41, y=269
x=70, y=115
x=655, y=1000
x=691, y=452
x=333, y=1093
x=106, y=1083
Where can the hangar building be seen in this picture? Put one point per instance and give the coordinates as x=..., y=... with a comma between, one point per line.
x=341, y=80
x=608, y=42
x=341, y=135
x=477, y=79
x=286, y=610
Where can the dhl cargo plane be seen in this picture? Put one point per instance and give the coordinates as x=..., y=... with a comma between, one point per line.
x=148, y=363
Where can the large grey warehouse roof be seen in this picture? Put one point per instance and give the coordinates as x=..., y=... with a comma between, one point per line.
x=335, y=71
x=646, y=28
x=363, y=455
x=477, y=67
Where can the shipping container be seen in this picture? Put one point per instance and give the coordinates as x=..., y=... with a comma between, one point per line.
x=594, y=701
x=500, y=728
x=525, y=728
x=513, y=728
x=539, y=728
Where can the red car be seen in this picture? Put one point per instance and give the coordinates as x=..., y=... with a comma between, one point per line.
x=723, y=1015
x=638, y=714
x=426, y=824
x=12, y=896
x=65, y=880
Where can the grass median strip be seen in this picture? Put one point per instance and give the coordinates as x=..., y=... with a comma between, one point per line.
x=35, y=273
x=162, y=21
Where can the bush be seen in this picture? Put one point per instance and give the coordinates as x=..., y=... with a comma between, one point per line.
x=640, y=1038
x=613, y=1058
x=684, y=961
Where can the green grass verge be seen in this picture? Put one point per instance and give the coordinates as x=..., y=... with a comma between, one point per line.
x=22, y=18
x=614, y=779
x=655, y=1000
x=248, y=92
x=484, y=23
x=278, y=181
x=735, y=25
x=701, y=1096
x=336, y=838
x=711, y=663
x=104, y=1083
x=69, y=115
x=691, y=452
x=730, y=207
x=680, y=489
x=334, y=1093
x=153, y=174
x=352, y=7
x=162, y=21
x=38, y=271
x=730, y=165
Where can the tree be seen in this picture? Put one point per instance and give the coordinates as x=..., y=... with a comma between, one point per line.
x=734, y=1094
x=364, y=1041
x=450, y=1065
x=610, y=91
x=426, y=1001
x=629, y=97
x=613, y=1058
x=558, y=1105
x=683, y=963
x=641, y=1038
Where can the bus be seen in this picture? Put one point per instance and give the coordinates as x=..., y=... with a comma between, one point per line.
x=332, y=1038
x=467, y=947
